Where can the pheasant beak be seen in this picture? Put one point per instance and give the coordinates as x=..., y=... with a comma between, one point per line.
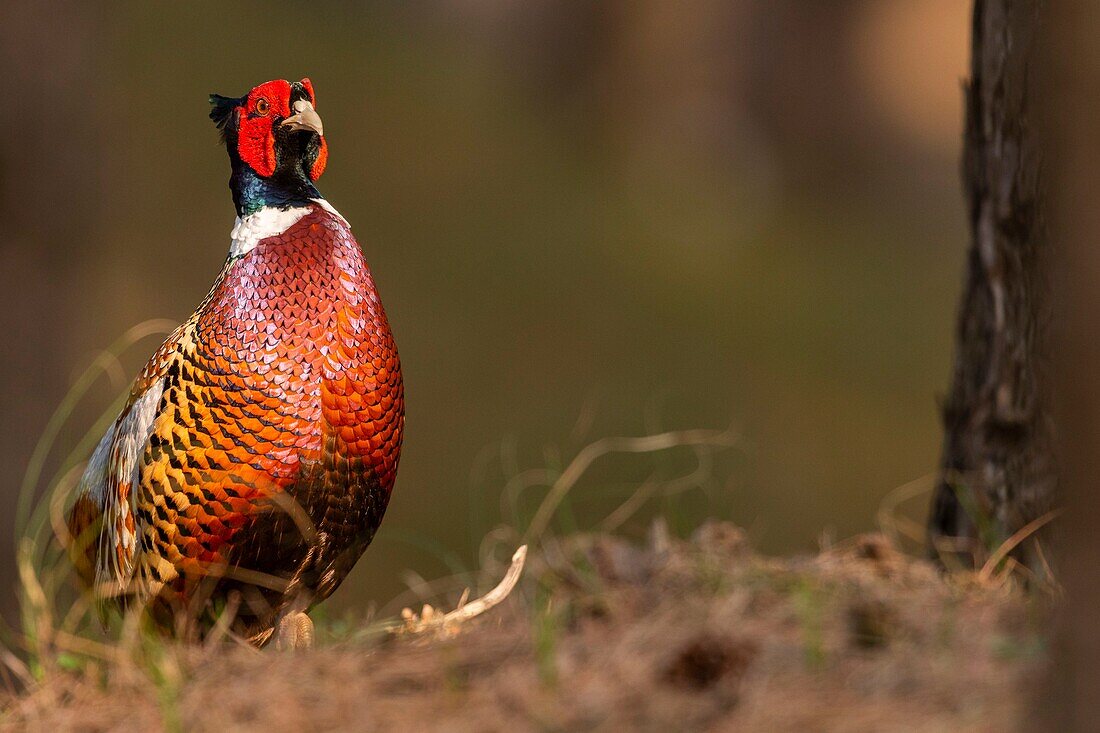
x=304, y=118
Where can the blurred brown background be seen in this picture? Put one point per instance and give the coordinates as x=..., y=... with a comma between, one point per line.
x=585, y=218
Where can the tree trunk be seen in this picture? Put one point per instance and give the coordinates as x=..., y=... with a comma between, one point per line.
x=997, y=471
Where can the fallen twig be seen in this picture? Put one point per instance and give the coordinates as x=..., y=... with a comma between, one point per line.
x=429, y=619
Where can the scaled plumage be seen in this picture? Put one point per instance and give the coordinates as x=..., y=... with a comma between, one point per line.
x=260, y=443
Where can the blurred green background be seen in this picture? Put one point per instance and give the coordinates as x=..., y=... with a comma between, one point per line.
x=585, y=219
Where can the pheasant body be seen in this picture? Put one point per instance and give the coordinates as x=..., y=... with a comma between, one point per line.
x=260, y=443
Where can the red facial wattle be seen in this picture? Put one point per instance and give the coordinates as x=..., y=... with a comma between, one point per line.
x=255, y=124
x=258, y=118
x=318, y=166
x=308, y=86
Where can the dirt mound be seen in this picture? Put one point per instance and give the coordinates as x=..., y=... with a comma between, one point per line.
x=608, y=635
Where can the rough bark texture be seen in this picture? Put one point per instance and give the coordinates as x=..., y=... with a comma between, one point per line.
x=997, y=471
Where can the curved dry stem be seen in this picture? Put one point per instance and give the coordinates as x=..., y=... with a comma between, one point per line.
x=594, y=451
x=652, y=487
x=889, y=517
x=986, y=573
x=519, y=483
x=430, y=620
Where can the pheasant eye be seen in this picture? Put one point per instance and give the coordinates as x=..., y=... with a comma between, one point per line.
x=262, y=106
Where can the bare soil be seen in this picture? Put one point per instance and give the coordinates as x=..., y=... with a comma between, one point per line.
x=700, y=635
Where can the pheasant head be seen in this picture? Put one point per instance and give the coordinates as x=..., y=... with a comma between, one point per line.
x=276, y=143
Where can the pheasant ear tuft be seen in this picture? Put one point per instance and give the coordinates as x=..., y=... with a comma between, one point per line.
x=221, y=109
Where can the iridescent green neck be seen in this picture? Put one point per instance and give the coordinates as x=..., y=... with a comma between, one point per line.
x=251, y=192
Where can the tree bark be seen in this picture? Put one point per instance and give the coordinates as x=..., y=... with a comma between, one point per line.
x=997, y=470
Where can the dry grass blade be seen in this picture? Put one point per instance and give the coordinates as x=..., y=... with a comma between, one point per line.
x=890, y=518
x=17, y=667
x=985, y=575
x=88, y=647
x=652, y=487
x=592, y=452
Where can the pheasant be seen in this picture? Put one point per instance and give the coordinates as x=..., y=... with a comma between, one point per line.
x=256, y=454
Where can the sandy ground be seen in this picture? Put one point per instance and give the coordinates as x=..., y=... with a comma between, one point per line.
x=605, y=635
